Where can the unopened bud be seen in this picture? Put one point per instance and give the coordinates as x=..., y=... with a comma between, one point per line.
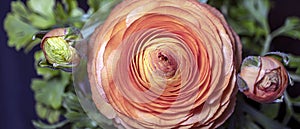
x=58, y=48
x=265, y=78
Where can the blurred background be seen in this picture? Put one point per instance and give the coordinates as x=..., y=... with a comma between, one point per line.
x=17, y=68
x=16, y=71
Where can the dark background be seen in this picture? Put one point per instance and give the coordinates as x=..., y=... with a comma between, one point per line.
x=17, y=69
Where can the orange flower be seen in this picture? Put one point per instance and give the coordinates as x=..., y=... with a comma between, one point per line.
x=266, y=78
x=164, y=64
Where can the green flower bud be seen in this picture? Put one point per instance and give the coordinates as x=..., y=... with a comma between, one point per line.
x=58, y=48
x=58, y=51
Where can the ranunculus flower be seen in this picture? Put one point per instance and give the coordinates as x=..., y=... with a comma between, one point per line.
x=266, y=78
x=164, y=64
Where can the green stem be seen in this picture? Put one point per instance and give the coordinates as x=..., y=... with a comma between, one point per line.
x=267, y=45
x=261, y=118
x=271, y=36
x=295, y=77
x=278, y=32
x=268, y=39
x=281, y=30
x=289, y=110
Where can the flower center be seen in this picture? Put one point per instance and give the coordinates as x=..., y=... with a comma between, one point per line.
x=163, y=64
x=270, y=81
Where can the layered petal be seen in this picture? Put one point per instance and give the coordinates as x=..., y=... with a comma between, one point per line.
x=164, y=64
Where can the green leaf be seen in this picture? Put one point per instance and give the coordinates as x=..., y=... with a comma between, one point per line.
x=53, y=116
x=42, y=7
x=43, y=16
x=18, y=8
x=259, y=9
x=295, y=63
x=41, y=110
x=249, y=19
x=75, y=116
x=292, y=22
x=293, y=34
x=19, y=32
x=71, y=102
x=48, y=113
x=50, y=92
x=70, y=5
x=40, y=22
x=291, y=28
x=98, y=17
x=22, y=23
x=86, y=123
x=270, y=110
x=249, y=45
x=80, y=119
x=94, y=5
x=69, y=13
x=60, y=13
x=41, y=125
x=103, y=5
x=72, y=8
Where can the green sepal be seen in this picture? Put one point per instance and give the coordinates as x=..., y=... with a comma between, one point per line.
x=283, y=57
x=251, y=61
x=64, y=67
x=73, y=35
x=39, y=34
x=203, y=1
x=242, y=85
x=279, y=100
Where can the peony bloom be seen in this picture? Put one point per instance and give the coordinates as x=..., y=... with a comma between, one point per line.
x=164, y=64
x=266, y=78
